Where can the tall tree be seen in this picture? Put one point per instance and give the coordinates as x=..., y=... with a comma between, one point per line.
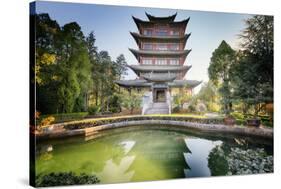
x=75, y=69
x=121, y=66
x=62, y=66
x=47, y=36
x=93, y=57
x=252, y=76
x=221, y=61
x=106, y=79
x=69, y=67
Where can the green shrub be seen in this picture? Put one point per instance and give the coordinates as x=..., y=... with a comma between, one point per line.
x=103, y=121
x=65, y=178
x=94, y=110
x=238, y=115
x=114, y=109
x=201, y=107
x=191, y=108
x=115, y=104
x=176, y=109
x=213, y=107
x=217, y=162
x=267, y=123
x=58, y=118
x=240, y=122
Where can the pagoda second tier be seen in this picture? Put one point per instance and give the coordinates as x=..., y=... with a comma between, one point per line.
x=139, y=38
x=160, y=53
x=154, y=68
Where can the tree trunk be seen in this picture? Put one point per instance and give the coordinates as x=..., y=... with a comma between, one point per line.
x=107, y=104
x=97, y=96
x=97, y=93
x=102, y=97
x=86, y=101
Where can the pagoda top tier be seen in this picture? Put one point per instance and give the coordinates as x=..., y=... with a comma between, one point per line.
x=161, y=19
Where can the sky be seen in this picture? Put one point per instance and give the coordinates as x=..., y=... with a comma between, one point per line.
x=112, y=24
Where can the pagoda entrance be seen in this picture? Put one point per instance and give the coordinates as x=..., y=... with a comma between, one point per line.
x=159, y=91
x=159, y=95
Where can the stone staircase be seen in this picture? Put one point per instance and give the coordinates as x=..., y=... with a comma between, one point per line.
x=157, y=108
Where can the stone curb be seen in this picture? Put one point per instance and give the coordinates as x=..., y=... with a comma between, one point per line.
x=247, y=131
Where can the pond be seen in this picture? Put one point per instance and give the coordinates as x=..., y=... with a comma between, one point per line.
x=148, y=153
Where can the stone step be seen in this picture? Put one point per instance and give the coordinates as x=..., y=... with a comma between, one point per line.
x=157, y=111
x=158, y=108
x=160, y=105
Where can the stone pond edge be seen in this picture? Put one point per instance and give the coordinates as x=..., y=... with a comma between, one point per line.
x=57, y=131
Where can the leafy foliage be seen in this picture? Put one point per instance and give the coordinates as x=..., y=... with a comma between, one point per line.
x=245, y=77
x=62, y=66
x=121, y=65
x=131, y=101
x=93, y=110
x=217, y=162
x=208, y=94
x=252, y=76
x=58, y=118
x=70, y=72
x=65, y=178
x=179, y=100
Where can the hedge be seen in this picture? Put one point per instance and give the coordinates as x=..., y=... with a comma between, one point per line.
x=65, y=178
x=102, y=121
x=65, y=117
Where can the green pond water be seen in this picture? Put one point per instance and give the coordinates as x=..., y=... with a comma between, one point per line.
x=142, y=154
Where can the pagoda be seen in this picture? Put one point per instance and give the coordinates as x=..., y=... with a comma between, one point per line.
x=161, y=56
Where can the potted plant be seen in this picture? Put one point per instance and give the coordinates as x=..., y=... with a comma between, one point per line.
x=229, y=119
x=258, y=103
x=254, y=121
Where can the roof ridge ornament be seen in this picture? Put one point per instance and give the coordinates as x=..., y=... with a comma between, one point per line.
x=170, y=18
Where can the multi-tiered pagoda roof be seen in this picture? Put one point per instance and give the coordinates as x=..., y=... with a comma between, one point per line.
x=161, y=55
